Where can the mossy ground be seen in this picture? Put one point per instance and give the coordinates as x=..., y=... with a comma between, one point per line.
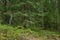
x=13, y=33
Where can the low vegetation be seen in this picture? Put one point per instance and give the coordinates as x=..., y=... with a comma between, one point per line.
x=13, y=33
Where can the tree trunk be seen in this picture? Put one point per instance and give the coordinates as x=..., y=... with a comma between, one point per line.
x=57, y=14
x=11, y=17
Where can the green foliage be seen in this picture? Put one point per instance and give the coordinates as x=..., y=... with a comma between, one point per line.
x=31, y=13
x=12, y=33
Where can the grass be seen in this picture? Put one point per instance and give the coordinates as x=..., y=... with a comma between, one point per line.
x=13, y=33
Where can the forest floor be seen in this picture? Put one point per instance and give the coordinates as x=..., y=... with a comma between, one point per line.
x=13, y=33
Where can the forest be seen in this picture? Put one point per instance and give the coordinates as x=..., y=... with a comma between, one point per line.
x=29, y=19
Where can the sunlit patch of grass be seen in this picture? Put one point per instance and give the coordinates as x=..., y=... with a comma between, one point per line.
x=13, y=33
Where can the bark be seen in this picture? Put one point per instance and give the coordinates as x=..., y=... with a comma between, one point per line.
x=57, y=14
x=11, y=17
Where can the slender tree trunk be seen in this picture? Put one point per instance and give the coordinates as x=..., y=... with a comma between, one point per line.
x=11, y=17
x=0, y=17
x=57, y=14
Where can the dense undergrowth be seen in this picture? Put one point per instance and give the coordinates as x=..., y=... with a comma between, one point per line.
x=13, y=33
